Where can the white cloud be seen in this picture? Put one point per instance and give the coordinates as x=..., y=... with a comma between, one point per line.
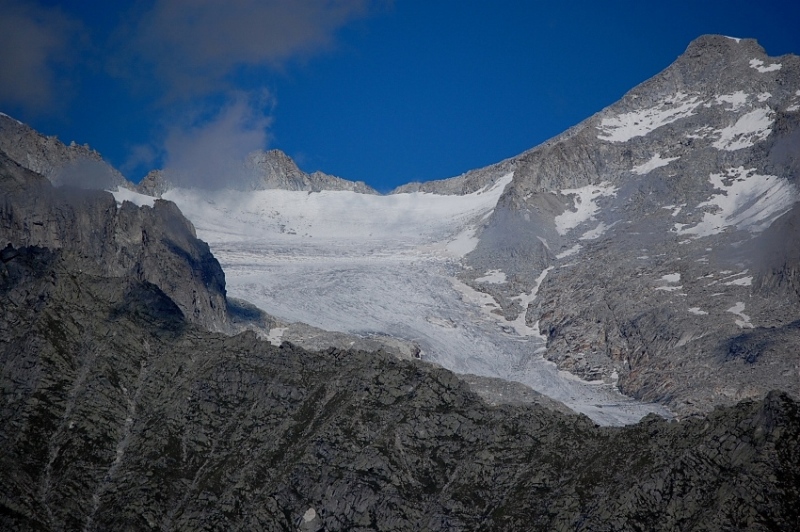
x=209, y=152
x=194, y=44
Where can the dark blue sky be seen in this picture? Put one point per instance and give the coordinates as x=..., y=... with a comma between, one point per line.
x=383, y=92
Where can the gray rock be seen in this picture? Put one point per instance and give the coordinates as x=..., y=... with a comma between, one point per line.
x=74, y=165
x=120, y=414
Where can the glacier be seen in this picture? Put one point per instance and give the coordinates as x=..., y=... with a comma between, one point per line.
x=365, y=264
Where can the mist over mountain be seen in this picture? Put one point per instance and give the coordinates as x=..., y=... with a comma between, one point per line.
x=600, y=333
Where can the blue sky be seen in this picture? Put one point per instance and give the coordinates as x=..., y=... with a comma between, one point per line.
x=379, y=91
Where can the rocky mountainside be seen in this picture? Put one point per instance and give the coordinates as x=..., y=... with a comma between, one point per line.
x=663, y=232
x=118, y=413
x=75, y=165
x=157, y=245
x=264, y=170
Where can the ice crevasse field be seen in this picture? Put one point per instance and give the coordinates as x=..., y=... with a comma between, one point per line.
x=363, y=264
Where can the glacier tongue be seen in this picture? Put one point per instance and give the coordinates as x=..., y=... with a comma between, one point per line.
x=362, y=264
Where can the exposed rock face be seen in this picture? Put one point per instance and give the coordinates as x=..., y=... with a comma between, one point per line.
x=274, y=169
x=153, y=184
x=157, y=244
x=665, y=226
x=263, y=170
x=120, y=414
x=466, y=183
x=74, y=165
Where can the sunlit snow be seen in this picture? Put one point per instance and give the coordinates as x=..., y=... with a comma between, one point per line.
x=655, y=162
x=366, y=264
x=122, y=194
x=748, y=201
x=736, y=100
x=750, y=128
x=585, y=206
x=626, y=126
x=758, y=64
x=571, y=251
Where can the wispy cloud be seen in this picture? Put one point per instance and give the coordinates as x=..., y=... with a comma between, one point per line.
x=191, y=52
x=208, y=151
x=194, y=45
x=37, y=47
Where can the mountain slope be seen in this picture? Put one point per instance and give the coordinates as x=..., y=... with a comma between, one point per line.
x=651, y=219
x=120, y=414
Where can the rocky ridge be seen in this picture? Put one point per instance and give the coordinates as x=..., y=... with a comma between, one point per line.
x=157, y=244
x=73, y=164
x=655, y=232
x=118, y=413
x=262, y=170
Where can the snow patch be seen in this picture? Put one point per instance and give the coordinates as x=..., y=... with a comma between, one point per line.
x=585, y=206
x=758, y=64
x=568, y=253
x=492, y=277
x=275, y=335
x=671, y=277
x=701, y=132
x=743, y=281
x=737, y=39
x=525, y=300
x=655, y=162
x=597, y=232
x=793, y=108
x=750, y=128
x=122, y=194
x=626, y=126
x=697, y=312
x=736, y=100
x=749, y=201
x=738, y=310
x=763, y=97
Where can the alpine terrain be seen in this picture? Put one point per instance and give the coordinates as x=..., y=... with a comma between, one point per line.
x=600, y=333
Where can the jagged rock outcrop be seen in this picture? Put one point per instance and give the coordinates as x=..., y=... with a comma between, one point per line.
x=274, y=169
x=74, y=165
x=157, y=244
x=118, y=413
x=262, y=170
x=665, y=226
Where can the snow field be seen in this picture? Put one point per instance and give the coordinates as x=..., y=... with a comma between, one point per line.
x=365, y=264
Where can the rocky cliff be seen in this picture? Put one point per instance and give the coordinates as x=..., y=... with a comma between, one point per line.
x=75, y=165
x=157, y=245
x=662, y=231
x=118, y=413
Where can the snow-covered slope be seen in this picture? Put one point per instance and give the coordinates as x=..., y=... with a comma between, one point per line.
x=361, y=263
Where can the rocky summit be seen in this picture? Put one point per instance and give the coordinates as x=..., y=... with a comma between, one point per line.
x=650, y=251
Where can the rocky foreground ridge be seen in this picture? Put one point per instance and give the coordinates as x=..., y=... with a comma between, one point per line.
x=119, y=413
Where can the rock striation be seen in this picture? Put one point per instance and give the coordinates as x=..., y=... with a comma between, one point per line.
x=119, y=413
